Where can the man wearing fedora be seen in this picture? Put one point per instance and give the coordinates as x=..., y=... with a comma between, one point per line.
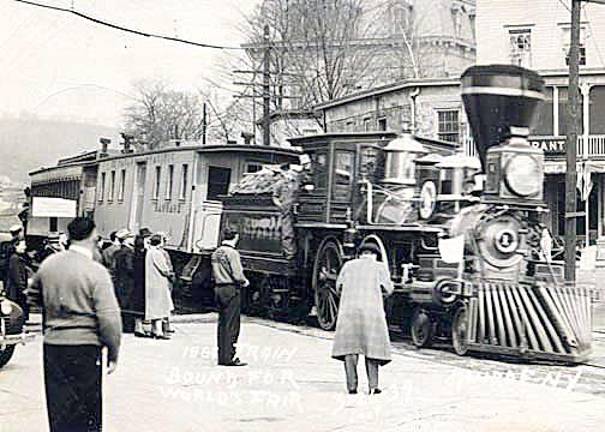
x=229, y=279
x=361, y=327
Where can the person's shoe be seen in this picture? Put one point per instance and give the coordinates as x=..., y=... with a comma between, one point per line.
x=141, y=334
x=352, y=391
x=236, y=362
x=160, y=337
x=375, y=391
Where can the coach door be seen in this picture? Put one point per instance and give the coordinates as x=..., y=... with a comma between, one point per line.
x=136, y=215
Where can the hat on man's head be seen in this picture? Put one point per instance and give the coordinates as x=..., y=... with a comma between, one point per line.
x=15, y=229
x=122, y=234
x=370, y=247
x=229, y=233
x=145, y=232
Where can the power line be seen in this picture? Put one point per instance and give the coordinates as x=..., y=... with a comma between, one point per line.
x=125, y=29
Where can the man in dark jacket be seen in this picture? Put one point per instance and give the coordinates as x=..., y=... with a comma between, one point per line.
x=228, y=278
x=81, y=316
x=18, y=274
x=124, y=270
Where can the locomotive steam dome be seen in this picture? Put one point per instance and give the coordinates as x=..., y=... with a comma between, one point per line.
x=498, y=99
x=401, y=154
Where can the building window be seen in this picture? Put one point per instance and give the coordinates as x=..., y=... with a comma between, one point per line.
x=566, y=33
x=597, y=110
x=382, y=124
x=564, y=119
x=448, y=124
x=218, y=182
x=156, y=185
x=520, y=47
x=544, y=121
x=184, y=181
x=253, y=167
x=367, y=124
x=170, y=182
x=122, y=185
x=102, y=191
x=112, y=186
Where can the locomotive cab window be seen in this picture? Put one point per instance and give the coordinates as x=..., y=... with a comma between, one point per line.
x=343, y=174
x=218, y=182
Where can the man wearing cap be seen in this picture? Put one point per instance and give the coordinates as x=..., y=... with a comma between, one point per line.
x=361, y=327
x=110, y=251
x=81, y=316
x=123, y=268
x=228, y=278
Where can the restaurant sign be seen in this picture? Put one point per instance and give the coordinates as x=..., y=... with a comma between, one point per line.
x=550, y=145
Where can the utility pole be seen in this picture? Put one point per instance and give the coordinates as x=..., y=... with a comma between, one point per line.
x=572, y=139
x=266, y=89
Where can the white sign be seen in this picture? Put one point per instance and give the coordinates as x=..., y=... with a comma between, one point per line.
x=53, y=207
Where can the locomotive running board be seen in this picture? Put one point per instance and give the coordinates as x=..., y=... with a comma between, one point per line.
x=531, y=321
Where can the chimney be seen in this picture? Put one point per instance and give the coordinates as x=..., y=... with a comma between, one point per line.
x=104, y=146
x=127, y=144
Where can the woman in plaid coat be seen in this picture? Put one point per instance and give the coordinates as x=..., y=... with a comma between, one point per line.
x=361, y=327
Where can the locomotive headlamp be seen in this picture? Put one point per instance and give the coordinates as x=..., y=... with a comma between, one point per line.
x=522, y=175
x=6, y=307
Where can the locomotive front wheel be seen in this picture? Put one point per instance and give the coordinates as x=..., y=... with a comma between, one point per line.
x=6, y=354
x=328, y=263
x=421, y=328
x=460, y=331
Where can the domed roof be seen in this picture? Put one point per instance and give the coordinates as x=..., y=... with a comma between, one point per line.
x=405, y=143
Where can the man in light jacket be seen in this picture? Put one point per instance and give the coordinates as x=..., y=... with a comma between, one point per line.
x=361, y=327
x=81, y=316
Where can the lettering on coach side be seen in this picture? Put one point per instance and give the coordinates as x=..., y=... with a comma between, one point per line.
x=168, y=207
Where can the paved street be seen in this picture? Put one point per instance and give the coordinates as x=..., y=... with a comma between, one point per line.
x=292, y=384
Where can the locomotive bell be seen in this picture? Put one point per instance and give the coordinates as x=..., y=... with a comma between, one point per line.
x=401, y=154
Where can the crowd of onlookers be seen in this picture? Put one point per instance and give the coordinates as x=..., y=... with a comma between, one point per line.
x=141, y=271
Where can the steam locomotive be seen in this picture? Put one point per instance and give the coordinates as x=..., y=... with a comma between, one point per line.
x=461, y=237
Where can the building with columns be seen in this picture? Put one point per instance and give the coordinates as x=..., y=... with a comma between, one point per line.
x=536, y=35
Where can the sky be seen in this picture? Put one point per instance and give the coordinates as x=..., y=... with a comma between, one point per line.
x=54, y=64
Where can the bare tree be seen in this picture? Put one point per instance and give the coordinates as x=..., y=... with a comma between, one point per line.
x=159, y=113
x=319, y=48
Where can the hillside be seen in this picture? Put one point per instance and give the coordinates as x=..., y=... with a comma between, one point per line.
x=27, y=143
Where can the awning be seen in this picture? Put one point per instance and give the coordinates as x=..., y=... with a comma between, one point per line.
x=560, y=167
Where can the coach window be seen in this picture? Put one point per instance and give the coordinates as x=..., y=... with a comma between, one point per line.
x=170, y=183
x=218, y=182
x=112, y=186
x=122, y=185
x=253, y=167
x=382, y=124
x=184, y=181
x=102, y=191
x=156, y=185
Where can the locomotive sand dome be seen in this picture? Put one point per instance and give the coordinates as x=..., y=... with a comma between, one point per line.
x=519, y=304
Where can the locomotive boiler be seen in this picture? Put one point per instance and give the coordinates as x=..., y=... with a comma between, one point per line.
x=461, y=236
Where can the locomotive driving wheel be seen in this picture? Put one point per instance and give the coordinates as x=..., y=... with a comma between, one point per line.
x=328, y=263
x=460, y=331
x=5, y=354
x=421, y=328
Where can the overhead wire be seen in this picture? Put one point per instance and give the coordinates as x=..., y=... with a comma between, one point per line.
x=126, y=29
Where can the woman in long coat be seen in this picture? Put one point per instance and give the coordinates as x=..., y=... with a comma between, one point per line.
x=361, y=327
x=18, y=275
x=158, y=276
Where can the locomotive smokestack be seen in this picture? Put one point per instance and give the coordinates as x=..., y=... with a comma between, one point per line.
x=499, y=100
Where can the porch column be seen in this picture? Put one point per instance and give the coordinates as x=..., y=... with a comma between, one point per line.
x=585, y=90
x=555, y=110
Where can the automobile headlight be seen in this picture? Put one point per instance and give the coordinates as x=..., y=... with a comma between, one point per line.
x=6, y=307
x=523, y=176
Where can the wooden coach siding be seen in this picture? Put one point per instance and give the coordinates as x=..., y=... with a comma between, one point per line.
x=161, y=214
